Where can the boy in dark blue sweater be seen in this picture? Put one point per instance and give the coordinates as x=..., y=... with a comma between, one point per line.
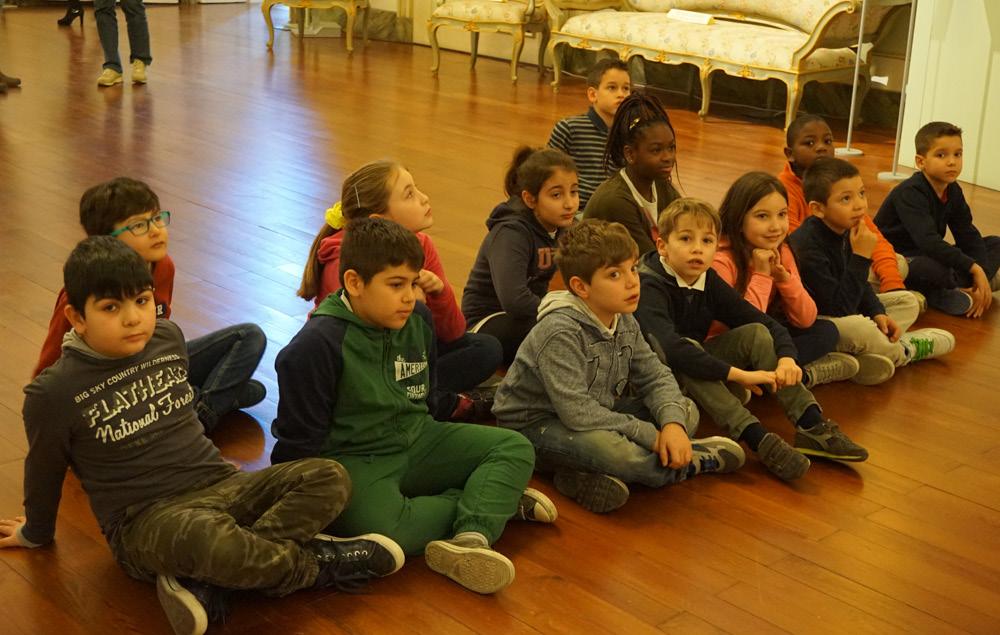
x=834, y=249
x=681, y=296
x=958, y=279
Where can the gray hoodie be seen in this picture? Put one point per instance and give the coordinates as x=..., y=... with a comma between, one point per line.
x=573, y=368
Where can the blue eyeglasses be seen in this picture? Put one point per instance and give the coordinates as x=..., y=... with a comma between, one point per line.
x=141, y=227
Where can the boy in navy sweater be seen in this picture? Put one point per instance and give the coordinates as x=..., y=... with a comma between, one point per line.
x=834, y=249
x=958, y=279
x=681, y=296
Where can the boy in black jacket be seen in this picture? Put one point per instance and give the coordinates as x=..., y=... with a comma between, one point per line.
x=958, y=279
x=118, y=409
x=681, y=296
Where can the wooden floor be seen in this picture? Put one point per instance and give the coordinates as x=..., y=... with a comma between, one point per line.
x=248, y=148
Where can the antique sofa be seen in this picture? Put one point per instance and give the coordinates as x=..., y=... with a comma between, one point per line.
x=795, y=41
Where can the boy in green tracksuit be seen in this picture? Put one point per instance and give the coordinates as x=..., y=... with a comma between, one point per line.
x=354, y=383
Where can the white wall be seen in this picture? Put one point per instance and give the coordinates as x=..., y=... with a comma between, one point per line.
x=955, y=77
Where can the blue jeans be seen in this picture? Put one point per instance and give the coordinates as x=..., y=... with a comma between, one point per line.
x=815, y=341
x=219, y=365
x=928, y=275
x=138, y=31
x=603, y=452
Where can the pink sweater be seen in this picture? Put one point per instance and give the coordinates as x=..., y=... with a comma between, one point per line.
x=449, y=323
x=796, y=303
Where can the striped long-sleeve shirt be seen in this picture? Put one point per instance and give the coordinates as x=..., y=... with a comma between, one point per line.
x=583, y=137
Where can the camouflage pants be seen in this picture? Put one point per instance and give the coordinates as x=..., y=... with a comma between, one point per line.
x=243, y=532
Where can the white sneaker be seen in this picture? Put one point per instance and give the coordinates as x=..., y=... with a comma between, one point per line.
x=830, y=368
x=468, y=560
x=927, y=344
x=109, y=77
x=138, y=72
x=873, y=369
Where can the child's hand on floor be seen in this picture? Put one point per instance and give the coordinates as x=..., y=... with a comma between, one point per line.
x=673, y=446
x=888, y=326
x=787, y=373
x=753, y=379
x=982, y=295
x=429, y=282
x=8, y=531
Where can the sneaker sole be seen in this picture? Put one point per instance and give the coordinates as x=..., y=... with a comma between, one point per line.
x=873, y=369
x=853, y=458
x=548, y=507
x=598, y=493
x=476, y=568
x=114, y=83
x=183, y=610
x=387, y=543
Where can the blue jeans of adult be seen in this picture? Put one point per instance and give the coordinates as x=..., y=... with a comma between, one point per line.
x=557, y=448
x=138, y=32
x=219, y=366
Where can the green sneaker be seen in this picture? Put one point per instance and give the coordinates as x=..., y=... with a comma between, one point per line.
x=927, y=344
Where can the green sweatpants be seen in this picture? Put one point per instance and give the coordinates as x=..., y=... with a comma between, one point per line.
x=453, y=477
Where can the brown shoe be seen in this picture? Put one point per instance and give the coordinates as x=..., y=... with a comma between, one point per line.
x=8, y=81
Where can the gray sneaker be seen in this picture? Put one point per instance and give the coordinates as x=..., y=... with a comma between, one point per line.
x=715, y=455
x=873, y=369
x=927, y=344
x=468, y=560
x=599, y=493
x=536, y=507
x=830, y=368
x=826, y=440
x=782, y=459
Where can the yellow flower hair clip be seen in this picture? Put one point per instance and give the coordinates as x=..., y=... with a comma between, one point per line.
x=335, y=216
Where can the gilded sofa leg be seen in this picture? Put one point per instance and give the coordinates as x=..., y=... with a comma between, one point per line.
x=352, y=13
x=706, y=89
x=543, y=44
x=265, y=8
x=364, y=24
x=435, y=50
x=556, y=66
x=475, y=49
x=794, y=98
x=516, y=54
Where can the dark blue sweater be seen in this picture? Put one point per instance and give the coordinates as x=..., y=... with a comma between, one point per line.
x=835, y=276
x=670, y=316
x=915, y=220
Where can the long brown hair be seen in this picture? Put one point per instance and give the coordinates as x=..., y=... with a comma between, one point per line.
x=365, y=192
x=743, y=194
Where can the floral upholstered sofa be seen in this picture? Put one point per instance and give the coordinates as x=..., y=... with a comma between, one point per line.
x=795, y=41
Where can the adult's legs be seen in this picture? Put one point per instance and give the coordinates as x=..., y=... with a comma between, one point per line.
x=138, y=31
x=107, y=30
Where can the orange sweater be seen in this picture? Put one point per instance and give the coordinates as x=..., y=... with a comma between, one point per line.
x=884, y=256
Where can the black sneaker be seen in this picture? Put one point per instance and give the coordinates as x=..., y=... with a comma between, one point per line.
x=599, y=493
x=346, y=564
x=717, y=455
x=781, y=459
x=536, y=506
x=251, y=394
x=191, y=605
x=826, y=440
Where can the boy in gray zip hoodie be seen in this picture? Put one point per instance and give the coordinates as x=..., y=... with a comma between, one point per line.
x=588, y=392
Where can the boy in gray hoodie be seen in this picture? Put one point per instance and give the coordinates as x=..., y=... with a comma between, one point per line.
x=589, y=393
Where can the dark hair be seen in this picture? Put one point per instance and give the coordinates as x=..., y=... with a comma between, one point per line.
x=591, y=244
x=686, y=206
x=637, y=112
x=931, y=132
x=104, y=267
x=531, y=167
x=597, y=71
x=797, y=125
x=373, y=244
x=741, y=197
x=364, y=192
x=105, y=204
x=822, y=174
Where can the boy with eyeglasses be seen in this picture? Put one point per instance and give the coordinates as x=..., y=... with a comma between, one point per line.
x=222, y=362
